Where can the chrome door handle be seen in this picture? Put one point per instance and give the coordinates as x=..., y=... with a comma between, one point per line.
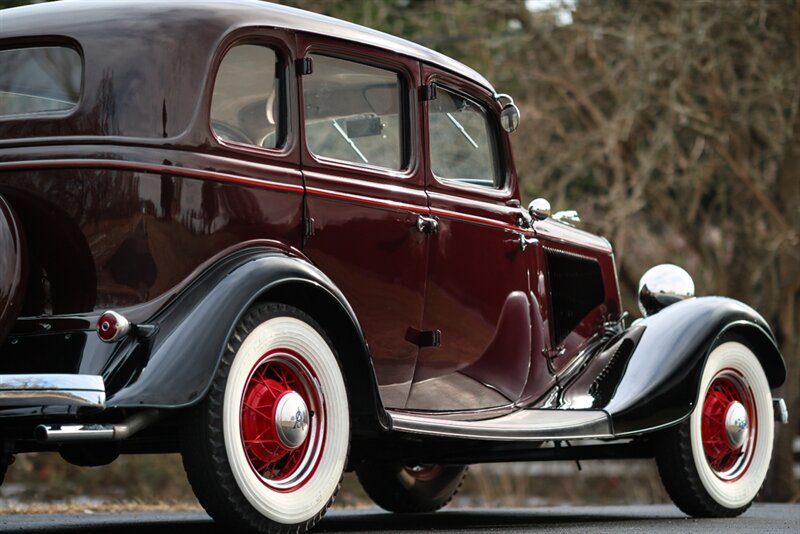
x=525, y=241
x=427, y=225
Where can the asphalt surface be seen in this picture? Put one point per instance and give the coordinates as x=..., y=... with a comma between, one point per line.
x=617, y=519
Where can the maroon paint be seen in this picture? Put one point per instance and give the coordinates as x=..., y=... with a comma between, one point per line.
x=476, y=291
x=133, y=236
x=365, y=235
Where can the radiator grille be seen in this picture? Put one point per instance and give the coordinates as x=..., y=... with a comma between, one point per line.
x=576, y=288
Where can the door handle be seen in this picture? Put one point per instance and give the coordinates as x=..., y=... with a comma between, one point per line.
x=427, y=225
x=525, y=241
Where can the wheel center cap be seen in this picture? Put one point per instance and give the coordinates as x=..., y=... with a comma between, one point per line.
x=291, y=420
x=736, y=424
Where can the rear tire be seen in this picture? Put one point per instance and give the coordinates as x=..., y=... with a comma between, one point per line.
x=406, y=490
x=253, y=462
x=714, y=463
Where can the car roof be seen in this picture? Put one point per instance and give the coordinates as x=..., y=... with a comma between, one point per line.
x=67, y=16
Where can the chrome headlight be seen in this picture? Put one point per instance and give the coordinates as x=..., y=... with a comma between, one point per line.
x=663, y=285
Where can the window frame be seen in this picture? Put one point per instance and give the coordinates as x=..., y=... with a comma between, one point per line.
x=287, y=116
x=494, y=140
x=479, y=94
x=381, y=60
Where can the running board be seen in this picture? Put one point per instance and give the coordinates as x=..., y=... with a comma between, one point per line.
x=524, y=425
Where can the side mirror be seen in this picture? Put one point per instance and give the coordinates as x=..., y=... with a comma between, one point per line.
x=539, y=208
x=509, y=116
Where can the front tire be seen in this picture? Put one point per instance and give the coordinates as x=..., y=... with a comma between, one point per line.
x=714, y=463
x=267, y=447
x=411, y=489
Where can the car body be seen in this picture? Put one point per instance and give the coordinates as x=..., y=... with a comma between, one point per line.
x=289, y=246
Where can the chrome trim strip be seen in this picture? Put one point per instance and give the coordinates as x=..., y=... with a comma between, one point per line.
x=52, y=390
x=524, y=425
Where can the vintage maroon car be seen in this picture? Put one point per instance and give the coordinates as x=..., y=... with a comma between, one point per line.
x=288, y=247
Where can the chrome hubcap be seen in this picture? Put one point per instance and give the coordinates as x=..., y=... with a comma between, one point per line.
x=736, y=424
x=291, y=420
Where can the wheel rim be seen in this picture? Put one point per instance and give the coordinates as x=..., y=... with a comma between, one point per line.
x=729, y=425
x=282, y=425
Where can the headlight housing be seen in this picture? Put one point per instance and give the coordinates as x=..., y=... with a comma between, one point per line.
x=663, y=285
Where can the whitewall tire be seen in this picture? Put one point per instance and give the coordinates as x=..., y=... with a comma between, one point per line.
x=267, y=448
x=714, y=463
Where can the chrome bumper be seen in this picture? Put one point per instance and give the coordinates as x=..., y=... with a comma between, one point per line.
x=52, y=390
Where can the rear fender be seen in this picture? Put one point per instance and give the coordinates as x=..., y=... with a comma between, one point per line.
x=659, y=386
x=192, y=332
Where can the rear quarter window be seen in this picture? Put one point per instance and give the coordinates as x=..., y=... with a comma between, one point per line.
x=247, y=99
x=39, y=80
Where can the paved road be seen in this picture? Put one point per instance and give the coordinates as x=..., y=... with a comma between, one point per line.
x=611, y=519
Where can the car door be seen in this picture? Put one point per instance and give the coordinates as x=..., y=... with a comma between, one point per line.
x=365, y=195
x=478, y=300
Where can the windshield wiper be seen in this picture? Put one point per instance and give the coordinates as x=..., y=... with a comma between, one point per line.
x=349, y=141
x=461, y=129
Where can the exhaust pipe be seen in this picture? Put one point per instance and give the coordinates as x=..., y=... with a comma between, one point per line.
x=96, y=432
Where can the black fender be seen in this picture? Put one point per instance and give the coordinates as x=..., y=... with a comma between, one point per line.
x=183, y=356
x=659, y=385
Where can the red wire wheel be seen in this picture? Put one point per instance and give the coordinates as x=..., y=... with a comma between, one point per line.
x=281, y=431
x=729, y=425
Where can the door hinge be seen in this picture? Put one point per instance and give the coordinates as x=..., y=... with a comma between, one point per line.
x=304, y=66
x=428, y=92
x=308, y=227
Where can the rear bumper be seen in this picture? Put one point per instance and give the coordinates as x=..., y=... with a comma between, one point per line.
x=52, y=390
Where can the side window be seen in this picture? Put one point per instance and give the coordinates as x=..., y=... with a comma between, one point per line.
x=353, y=112
x=463, y=145
x=247, y=99
x=44, y=79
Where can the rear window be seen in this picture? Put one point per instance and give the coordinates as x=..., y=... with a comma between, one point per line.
x=42, y=79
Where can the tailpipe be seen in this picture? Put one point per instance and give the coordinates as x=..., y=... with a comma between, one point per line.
x=96, y=432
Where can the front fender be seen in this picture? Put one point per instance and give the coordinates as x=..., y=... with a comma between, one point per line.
x=659, y=386
x=193, y=331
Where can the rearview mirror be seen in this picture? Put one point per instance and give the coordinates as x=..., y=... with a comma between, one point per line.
x=364, y=127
